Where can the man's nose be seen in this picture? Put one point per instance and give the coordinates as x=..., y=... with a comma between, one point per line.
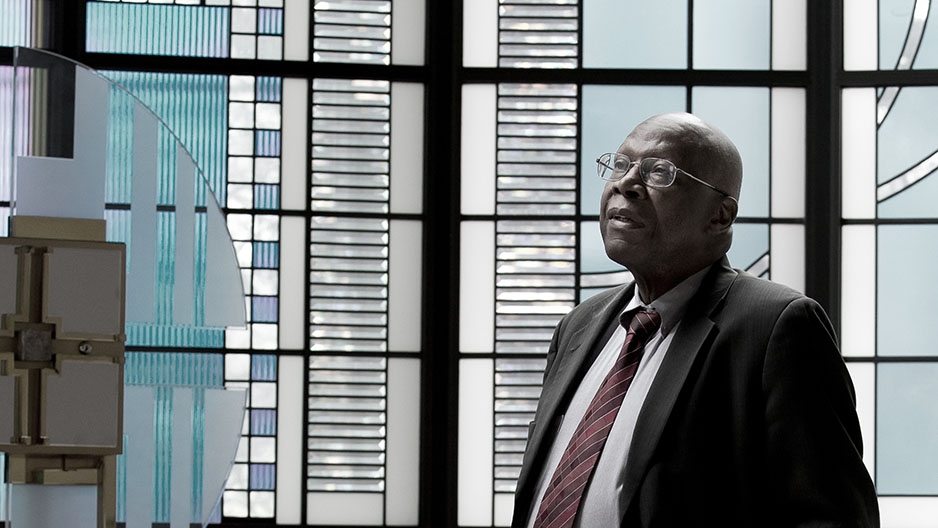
x=631, y=184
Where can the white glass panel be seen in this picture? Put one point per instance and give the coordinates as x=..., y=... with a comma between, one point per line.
x=238, y=367
x=141, y=274
x=790, y=35
x=344, y=508
x=504, y=504
x=403, y=451
x=408, y=30
x=611, y=26
x=243, y=46
x=908, y=512
x=787, y=254
x=292, y=272
x=476, y=379
x=293, y=187
x=405, y=291
x=864, y=382
x=138, y=456
x=858, y=153
x=291, y=401
x=860, y=35
x=477, y=171
x=788, y=152
x=40, y=506
x=180, y=511
x=407, y=137
x=731, y=34
x=480, y=33
x=184, y=262
x=858, y=294
x=477, y=287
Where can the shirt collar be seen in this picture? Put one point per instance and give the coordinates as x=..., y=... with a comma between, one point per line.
x=672, y=305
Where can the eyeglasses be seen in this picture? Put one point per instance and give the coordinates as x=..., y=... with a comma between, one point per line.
x=655, y=172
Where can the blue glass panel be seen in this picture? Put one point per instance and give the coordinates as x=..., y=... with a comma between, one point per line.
x=906, y=137
x=263, y=422
x=907, y=428
x=270, y=21
x=264, y=367
x=269, y=89
x=750, y=242
x=16, y=23
x=732, y=34
x=263, y=476
x=907, y=290
x=617, y=33
x=267, y=143
x=189, y=31
x=195, y=107
x=743, y=114
x=609, y=114
x=266, y=255
x=266, y=196
x=264, y=309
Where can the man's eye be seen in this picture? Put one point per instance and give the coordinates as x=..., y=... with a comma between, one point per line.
x=621, y=166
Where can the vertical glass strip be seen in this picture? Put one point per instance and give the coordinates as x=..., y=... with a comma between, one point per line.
x=408, y=32
x=476, y=287
x=292, y=272
x=477, y=161
x=790, y=35
x=788, y=152
x=858, y=296
x=787, y=257
x=407, y=140
x=858, y=153
x=475, y=471
x=538, y=34
x=864, y=383
x=861, y=35
x=296, y=30
x=295, y=137
x=291, y=399
x=403, y=451
x=480, y=38
x=16, y=23
x=404, y=288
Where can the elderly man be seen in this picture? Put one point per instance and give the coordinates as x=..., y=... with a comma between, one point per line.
x=698, y=395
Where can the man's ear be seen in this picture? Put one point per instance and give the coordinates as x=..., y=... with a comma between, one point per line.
x=725, y=214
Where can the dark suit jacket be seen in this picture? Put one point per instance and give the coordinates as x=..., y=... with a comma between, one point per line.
x=750, y=422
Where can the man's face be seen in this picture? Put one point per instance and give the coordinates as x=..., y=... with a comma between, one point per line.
x=653, y=231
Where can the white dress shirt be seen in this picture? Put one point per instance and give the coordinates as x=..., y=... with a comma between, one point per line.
x=600, y=503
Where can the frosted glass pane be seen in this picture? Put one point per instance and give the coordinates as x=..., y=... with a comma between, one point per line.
x=476, y=287
x=407, y=140
x=292, y=271
x=860, y=35
x=184, y=261
x=336, y=508
x=788, y=152
x=788, y=255
x=907, y=290
x=858, y=152
x=403, y=451
x=180, y=509
x=138, y=456
x=908, y=512
x=905, y=36
x=504, y=504
x=293, y=186
x=291, y=401
x=743, y=114
x=477, y=171
x=480, y=34
x=732, y=34
x=142, y=258
x=923, y=35
x=611, y=26
x=408, y=30
x=750, y=243
x=905, y=148
x=404, y=288
x=789, y=35
x=475, y=442
x=609, y=114
x=907, y=429
x=296, y=30
x=864, y=383
x=224, y=414
x=858, y=304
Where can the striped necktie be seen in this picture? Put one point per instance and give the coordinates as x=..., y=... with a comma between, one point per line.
x=567, y=485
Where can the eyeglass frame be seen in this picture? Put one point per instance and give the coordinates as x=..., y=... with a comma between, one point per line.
x=602, y=167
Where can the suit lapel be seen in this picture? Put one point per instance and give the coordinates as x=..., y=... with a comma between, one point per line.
x=696, y=326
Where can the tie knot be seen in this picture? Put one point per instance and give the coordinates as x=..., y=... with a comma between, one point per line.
x=644, y=323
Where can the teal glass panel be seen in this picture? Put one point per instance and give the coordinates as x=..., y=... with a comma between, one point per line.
x=905, y=141
x=628, y=34
x=195, y=108
x=269, y=89
x=905, y=35
x=609, y=114
x=743, y=114
x=186, y=31
x=16, y=23
x=732, y=34
x=750, y=243
x=907, y=290
x=174, y=368
x=270, y=21
x=907, y=429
